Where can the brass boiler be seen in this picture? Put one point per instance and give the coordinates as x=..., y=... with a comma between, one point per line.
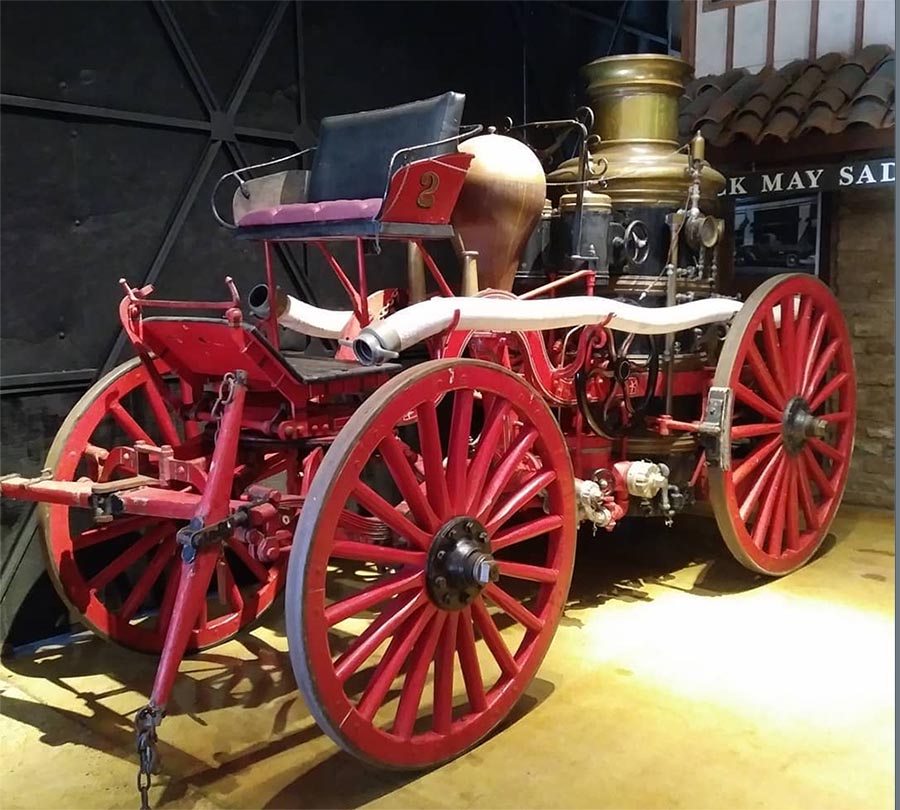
x=634, y=99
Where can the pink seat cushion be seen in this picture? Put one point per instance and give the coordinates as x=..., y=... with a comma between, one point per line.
x=326, y=211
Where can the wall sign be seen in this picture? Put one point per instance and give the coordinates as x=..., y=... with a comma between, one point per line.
x=861, y=174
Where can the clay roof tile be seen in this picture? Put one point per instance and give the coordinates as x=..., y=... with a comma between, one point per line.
x=828, y=94
x=870, y=57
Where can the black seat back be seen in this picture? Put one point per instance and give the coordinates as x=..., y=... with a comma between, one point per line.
x=353, y=157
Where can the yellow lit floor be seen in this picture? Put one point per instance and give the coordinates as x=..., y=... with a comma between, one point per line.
x=676, y=680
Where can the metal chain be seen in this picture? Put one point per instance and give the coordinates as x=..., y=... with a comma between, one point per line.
x=145, y=723
x=226, y=394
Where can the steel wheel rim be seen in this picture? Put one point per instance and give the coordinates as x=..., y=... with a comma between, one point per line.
x=59, y=543
x=800, y=474
x=341, y=715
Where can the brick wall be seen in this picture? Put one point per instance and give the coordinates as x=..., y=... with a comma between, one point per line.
x=863, y=277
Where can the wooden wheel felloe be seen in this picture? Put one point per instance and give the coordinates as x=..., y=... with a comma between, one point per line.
x=408, y=653
x=789, y=362
x=121, y=577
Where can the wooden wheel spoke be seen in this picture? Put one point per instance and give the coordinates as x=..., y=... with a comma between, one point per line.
x=444, y=668
x=764, y=377
x=822, y=364
x=806, y=501
x=788, y=340
x=372, y=637
x=523, y=496
x=756, y=402
x=433, y=460
x=505, y=470
x=129, y=557
x=387, y=669
x=834, y=384
x=369, y=499
x=815, y=343
x=484, y=454
x=110, y=531
x=836, y=417
x=494, y=639
x=374, y=595
x=804, y=319
x=468, y=661
x=749, y=464
x=402, y=472
x=817, y=473
x=825, y=449
x=761, y=529
x=775, y=539
x=532, y=573
x=169, y=594
x=792, y=534
x=773, y=352
x=755, y=429
x=458, y=446
x=526, y=531
x=128, y=423
x=384, y=555
x=513, y=607
x=414, y=683
x=161, y=414
x=146, y=580
x=761, y=484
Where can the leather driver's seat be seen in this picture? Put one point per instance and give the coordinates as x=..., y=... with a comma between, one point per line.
x=345, y=190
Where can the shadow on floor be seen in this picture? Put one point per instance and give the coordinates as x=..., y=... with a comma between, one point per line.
x=625, y=565
x=341, y=780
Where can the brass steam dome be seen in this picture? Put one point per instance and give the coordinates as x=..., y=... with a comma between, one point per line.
x=635, y=103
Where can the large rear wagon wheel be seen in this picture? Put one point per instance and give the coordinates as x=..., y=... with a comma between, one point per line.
x=408, y=653
x=120, y=577
x=789, y=363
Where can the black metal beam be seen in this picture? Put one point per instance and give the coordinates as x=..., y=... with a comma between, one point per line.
x=260, y=49
x=606, y=22
x=132, y=117
x=51, y=382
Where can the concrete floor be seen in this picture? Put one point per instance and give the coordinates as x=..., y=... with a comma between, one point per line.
x=676, y=680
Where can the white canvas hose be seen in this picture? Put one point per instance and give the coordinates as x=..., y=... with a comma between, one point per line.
x=384, y=339
x=299, y=316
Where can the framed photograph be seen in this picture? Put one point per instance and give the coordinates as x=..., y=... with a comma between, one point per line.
x=777, y=236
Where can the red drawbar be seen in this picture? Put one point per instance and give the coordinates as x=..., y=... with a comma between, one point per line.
x=426, y=191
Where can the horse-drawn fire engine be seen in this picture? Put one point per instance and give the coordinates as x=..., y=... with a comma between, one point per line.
x=423, y=515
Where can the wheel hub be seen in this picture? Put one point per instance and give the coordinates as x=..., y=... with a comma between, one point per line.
x=460, y=564
x=799, y=424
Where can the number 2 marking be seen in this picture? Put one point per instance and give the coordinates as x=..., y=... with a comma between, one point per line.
x=429, y=182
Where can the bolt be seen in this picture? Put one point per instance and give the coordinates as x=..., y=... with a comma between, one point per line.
x=445, y=599
x=483, y=536
x=440, y=582
x=441, y=555
x=486, y=571
x=469, y=525
x=464, y=597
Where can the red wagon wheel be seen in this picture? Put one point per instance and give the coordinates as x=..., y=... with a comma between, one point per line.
x=113, y=575
x=789, y=363
x=409, y=653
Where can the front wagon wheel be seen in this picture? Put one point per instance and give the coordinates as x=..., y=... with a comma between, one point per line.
x=408, y=652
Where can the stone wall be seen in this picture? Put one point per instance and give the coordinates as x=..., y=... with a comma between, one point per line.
x=863, y=277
